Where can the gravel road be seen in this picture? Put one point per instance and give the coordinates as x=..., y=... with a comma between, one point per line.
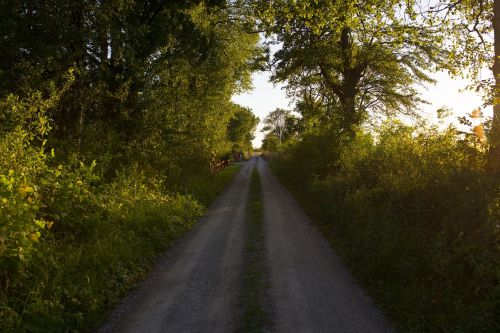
x=311, y=289
x=195, y=288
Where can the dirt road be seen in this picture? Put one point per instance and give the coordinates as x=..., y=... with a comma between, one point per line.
x=311, y=289
x=196, y=287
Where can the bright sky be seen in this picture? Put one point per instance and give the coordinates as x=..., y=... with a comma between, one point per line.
x=265, y=97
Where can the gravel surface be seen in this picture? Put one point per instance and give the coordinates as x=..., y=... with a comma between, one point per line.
x=195, y=287
x=312, y=291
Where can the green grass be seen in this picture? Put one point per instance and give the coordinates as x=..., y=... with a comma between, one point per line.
x=254, y=317
x=72, y=282
x=205, y=189
x=424, y=281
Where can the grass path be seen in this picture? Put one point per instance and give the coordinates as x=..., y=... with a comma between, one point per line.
x=255, y=318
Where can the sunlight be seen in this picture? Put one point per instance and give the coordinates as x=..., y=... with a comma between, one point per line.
x=447, y=92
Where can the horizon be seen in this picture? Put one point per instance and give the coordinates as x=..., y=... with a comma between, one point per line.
x=448, y=92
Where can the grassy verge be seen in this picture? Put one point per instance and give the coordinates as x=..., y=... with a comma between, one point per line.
x=74, y=278
x=424, y=278
x=254, y=318
x=206, y=189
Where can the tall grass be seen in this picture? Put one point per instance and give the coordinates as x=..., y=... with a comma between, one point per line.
x=74, y=278
x=205, y=188
x=417, y=221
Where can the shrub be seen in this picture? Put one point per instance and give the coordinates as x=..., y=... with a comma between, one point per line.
x=70, y=243
x=417, y=220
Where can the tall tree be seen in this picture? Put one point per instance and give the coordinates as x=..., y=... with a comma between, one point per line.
x=191, y=83
x=280, y=123
x=241, y=129
x=359, y=57
x=152, y=78
x=494, y=160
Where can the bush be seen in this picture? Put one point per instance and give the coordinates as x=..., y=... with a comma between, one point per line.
x=74, y=276
x=417, y=220
x=70, y=243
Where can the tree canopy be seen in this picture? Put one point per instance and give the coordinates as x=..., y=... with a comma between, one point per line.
x=241, y=129
x=148, y=76
x=355, y=59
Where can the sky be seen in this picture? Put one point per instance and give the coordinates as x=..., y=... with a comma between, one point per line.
x=265, y=97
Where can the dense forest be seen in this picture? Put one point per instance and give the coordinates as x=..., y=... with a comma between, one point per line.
x=113, y=114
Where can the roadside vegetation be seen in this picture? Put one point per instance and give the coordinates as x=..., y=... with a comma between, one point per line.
x=73, y=243
x=411, y=206
x=255, y=317
x=413, y=215
x=112, y=114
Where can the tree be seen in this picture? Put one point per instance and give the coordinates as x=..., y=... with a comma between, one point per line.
x=275, y=123
x=270, y=143
x=241, y=129
x=280, y=127
x=190, y=85
x=494, y=160
x=473, y=27
x=356, y=57
x=153, y=79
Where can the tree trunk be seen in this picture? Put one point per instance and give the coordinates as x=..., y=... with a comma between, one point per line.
x=351, y=76
x=494, y=155
x=349, y=115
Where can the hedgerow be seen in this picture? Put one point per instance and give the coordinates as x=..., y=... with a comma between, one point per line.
x=415, y=217
x=72, y=243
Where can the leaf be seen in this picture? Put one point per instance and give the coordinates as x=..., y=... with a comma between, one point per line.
x=34, y=237
x=39, y=223
x=24, y=189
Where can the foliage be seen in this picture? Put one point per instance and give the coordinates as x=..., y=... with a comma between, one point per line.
x=77, y=273
x=281, y=124
x=70, y=284
x=241, y=129
x=468, y=24
x=188, y=137
x=411, y=209
x=205, y=188
x=110, y=114
x=473, y=28
x=271, y=143
x=149, y=76
x=414, y=216
x=33, y=191
x=353, y=58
